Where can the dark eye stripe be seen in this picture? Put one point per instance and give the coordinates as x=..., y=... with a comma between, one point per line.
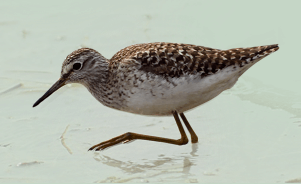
x=67, y=74
x=91, y=60
x=88, y=59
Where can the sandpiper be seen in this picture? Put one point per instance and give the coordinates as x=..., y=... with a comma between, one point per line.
x=158, y=79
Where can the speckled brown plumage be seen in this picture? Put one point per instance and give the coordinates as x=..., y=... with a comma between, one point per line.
x=175, y=60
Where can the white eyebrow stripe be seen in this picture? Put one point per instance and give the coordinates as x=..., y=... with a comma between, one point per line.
x=67, y=68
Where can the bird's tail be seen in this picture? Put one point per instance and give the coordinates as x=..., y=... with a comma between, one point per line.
x=244, y=56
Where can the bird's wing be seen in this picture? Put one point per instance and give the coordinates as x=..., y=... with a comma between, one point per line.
x=176, y=60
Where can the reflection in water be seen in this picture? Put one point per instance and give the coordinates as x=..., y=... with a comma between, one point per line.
x=163, y=165
x=187, y=160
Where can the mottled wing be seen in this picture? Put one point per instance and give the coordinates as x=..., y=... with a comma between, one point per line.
x=175, y=60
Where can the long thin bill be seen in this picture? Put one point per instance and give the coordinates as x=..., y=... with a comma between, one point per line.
x=54, y=87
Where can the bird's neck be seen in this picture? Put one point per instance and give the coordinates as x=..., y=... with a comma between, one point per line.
x=101, y=86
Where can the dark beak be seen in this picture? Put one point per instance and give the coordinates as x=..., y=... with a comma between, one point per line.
x=61, y=82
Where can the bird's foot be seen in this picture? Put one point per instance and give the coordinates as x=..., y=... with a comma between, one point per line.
x=124, y=138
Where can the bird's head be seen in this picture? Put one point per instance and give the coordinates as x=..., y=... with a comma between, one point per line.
x=80, y=66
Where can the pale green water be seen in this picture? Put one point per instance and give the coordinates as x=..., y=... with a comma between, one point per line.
x=251, y=133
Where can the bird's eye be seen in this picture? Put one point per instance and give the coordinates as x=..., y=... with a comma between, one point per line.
x=77, y=66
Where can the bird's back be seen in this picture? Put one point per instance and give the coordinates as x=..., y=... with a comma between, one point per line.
x=175, y=60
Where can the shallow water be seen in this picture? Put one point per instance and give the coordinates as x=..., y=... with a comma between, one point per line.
x=250, y=133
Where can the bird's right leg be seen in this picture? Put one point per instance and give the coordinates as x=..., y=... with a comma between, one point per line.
x=194, y=137
x=127, y=137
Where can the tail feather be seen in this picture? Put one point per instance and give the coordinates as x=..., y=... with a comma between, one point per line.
x=244, y=56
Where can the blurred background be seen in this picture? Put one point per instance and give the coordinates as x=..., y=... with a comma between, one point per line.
x=250, y=133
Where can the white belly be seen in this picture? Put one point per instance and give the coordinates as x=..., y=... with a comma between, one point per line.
x=159, y=97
